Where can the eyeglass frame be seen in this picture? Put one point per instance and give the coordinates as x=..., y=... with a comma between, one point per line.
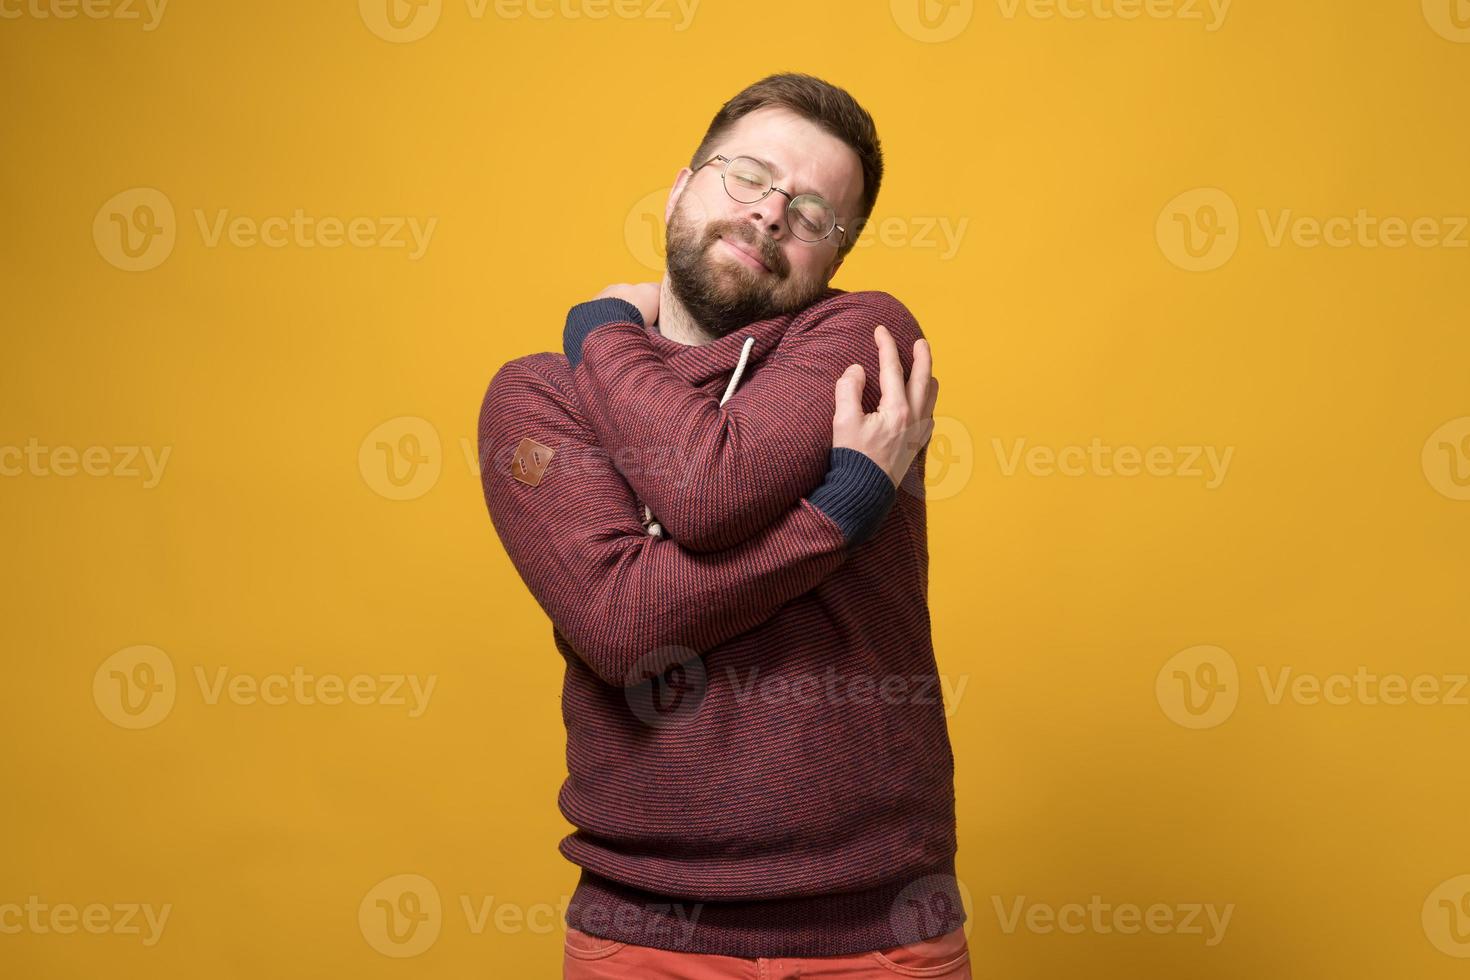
x=785, y=193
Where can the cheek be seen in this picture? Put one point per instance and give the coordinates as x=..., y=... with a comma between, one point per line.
x=807, y=263
x=695, y=213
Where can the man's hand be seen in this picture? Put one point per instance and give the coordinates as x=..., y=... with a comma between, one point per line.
x=643, y=295
x=893, y=435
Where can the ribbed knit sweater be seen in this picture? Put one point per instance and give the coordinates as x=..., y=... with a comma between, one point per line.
x=757, y=754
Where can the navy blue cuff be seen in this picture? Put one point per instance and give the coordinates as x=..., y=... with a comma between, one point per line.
x=856, y=494
x=586, y=317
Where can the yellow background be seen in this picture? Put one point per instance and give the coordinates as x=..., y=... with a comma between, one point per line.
x=1333, y=542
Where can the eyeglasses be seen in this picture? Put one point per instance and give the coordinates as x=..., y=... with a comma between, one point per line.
x=810, y=218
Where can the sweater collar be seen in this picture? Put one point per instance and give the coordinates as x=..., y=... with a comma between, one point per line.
x=701, y=363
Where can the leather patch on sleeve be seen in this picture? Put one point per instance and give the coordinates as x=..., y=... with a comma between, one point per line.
x=530, y=461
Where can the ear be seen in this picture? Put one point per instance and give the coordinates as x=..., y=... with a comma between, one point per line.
x=681, y=179
x=835, y=266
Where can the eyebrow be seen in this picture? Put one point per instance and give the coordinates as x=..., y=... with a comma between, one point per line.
x=776, y=174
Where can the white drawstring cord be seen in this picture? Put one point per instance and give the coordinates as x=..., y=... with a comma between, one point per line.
x=655, y=529
x=739, y=369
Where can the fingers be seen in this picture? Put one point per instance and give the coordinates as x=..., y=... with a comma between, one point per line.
x=890, y=371
x=918, y=390
x=921, y=428
x=849, y=394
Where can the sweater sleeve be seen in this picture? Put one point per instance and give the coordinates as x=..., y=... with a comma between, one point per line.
x=615, y=593
x=741, y=465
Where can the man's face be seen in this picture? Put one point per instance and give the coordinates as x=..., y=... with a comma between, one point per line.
x=730, y=263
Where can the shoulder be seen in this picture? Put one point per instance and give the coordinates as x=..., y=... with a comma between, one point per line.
x=533, y=378
x=858, y=313
x=530, y=398
x=536, y=388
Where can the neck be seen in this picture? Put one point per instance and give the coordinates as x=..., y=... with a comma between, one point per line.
x=675, y=323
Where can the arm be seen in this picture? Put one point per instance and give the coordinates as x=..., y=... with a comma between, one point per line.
x=614, y=592
x=742, y=464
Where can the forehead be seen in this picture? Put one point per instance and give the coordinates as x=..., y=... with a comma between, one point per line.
x=804, y=158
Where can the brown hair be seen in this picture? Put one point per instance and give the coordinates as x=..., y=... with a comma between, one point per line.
x=822, y=103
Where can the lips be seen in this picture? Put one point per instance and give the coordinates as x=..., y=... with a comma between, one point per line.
x=748, y=252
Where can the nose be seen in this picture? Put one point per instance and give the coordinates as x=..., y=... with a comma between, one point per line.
x=769, y=216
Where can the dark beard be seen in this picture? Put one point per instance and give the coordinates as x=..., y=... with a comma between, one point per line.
x=722, y=297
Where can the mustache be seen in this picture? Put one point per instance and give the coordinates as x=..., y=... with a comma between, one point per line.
x=770, y=252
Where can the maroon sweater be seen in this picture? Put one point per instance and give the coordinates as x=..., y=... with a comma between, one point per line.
x=758, y=760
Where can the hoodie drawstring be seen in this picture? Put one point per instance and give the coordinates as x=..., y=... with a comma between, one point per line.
x=655, y=529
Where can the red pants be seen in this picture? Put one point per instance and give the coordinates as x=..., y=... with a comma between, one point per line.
x=590, y=958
